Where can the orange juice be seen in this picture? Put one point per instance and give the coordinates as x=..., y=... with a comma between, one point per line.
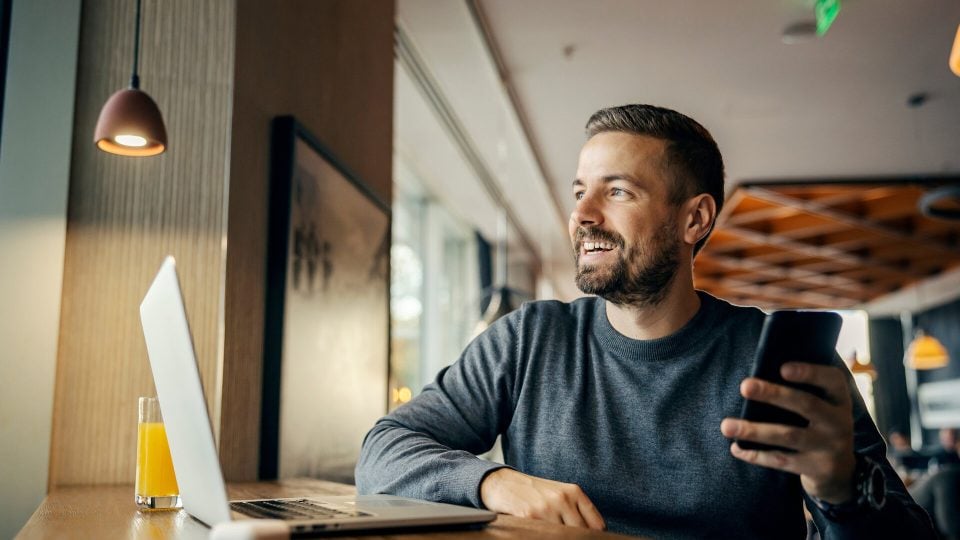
x=155, y=476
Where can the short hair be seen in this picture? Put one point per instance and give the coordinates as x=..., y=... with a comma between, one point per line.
x=692, y=156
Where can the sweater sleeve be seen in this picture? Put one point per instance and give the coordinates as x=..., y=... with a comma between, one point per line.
x=426, y=448
x=900, y=516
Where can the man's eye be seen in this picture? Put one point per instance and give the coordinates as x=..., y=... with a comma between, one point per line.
x=617, y=191
x=578, y=195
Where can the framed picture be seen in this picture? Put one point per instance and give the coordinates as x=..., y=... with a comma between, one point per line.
x=326, y=335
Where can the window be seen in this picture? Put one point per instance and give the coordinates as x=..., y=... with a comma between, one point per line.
x=853, y=346
x=434, y=297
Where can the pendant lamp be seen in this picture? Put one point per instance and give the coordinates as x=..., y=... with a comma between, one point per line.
x=926, y=352
x=857, y=367
x=130, y=123
x=955, y=55
x=942, y=203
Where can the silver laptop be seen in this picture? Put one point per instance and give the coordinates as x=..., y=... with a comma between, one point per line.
x=194, y=453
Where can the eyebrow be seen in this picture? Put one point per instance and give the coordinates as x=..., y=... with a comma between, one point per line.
x=613, y=178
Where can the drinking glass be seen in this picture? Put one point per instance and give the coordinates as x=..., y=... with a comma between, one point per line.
x=156, y=487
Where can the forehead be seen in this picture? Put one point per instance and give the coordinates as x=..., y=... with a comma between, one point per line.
x=616, y=152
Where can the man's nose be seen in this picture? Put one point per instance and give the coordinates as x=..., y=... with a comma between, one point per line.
x=587, y=212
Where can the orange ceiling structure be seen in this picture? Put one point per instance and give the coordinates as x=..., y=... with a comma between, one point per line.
x=834, y=246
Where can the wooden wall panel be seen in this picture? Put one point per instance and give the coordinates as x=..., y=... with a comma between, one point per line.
x=125, y=214
x=330, y=64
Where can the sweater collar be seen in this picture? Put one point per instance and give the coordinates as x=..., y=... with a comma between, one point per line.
x=668, y=347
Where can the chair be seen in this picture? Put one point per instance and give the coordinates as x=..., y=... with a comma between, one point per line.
x=939, y=494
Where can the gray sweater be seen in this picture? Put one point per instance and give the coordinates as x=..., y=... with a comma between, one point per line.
x=636, y=424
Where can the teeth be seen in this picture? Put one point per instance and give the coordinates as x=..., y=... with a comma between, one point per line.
x=591, y=246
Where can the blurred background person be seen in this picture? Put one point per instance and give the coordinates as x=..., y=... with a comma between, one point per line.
x=949, y=451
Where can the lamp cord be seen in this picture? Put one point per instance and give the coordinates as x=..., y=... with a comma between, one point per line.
x=134, y=77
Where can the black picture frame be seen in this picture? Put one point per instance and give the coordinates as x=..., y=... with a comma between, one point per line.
x=6, y=11
x=314, y=201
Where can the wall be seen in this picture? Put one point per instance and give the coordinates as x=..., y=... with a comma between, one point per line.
x=330, y=64
x=125, y=214
x=34, y=176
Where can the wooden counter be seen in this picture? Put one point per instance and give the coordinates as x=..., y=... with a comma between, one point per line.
x=109, y=512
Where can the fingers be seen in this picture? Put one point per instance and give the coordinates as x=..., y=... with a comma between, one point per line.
x=781, y=435
x=570, y=515
x=791, y=399
x=573, y=507
x=507, y=491
x=773, y=459
x=822, y=451
x=830, y=378
x=590, y=514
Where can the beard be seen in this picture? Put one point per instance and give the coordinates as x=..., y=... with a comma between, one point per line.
x=641, y=275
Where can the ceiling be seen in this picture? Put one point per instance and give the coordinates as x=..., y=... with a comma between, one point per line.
x=834, y=246
x=833, y=106
x=527, y=74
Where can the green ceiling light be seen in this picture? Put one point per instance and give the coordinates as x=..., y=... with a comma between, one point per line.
x=130, y=123
x=826, y=12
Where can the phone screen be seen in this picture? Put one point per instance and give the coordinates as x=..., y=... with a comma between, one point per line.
x=789, y=336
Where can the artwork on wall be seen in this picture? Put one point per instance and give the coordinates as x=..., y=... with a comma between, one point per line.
x=326, y=336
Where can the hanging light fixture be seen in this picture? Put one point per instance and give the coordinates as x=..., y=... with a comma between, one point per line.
x=866, y=368
x=926, y=352
x=130, y=123
x=955, y=55
x=942, y=203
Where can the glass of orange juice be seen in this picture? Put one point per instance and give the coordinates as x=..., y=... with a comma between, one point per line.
x=156, y=486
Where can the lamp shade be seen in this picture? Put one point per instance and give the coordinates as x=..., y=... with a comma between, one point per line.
x=130, y=124
x=955, y=55
x=867, y=369
x=926, y=352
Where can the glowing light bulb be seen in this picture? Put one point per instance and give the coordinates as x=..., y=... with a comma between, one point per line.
x=130, y=140
x=955, y=55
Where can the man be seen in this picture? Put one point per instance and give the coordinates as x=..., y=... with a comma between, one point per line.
x=905, y=461
x=949, y=451
x=617, y=411
x=939, y=492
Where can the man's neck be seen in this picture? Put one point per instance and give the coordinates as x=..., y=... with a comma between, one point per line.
x=652, y=322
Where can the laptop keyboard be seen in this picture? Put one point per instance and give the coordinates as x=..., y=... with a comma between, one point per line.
x=292, y=509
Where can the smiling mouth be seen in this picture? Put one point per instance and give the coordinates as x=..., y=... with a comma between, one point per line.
x=589, y=248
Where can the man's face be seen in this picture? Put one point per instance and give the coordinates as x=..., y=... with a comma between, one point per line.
x=948, y=438
x=898, y=441
x=624, y=232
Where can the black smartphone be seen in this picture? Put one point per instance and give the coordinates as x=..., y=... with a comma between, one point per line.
x=789, y=336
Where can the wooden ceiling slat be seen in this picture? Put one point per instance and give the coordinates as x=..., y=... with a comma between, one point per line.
x=827, y=246
x=807, y=250
x=849, y=239
x=782, y=273
x=844, y=194
x=904, y=251
x=787, y=296
x=851, y=221
x=892, y=207
x=804, y=226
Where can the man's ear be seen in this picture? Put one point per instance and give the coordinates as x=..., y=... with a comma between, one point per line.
x=700, y=212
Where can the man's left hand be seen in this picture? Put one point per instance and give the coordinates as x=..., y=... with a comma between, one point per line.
x=824, y=456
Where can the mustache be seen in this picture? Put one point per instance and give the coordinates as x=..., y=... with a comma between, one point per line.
x=597, y=235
